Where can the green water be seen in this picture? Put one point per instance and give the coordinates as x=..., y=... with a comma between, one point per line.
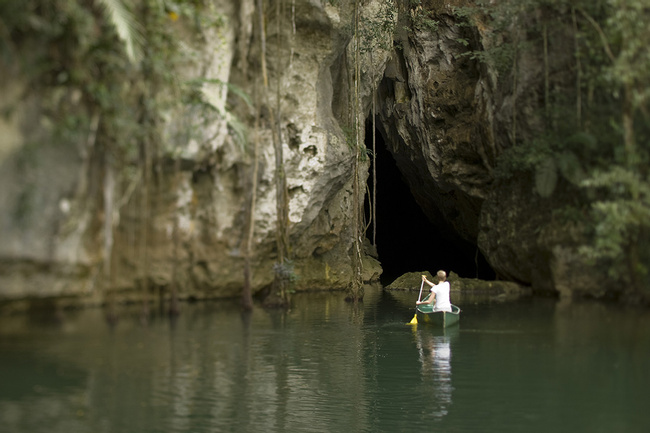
x=326, y=366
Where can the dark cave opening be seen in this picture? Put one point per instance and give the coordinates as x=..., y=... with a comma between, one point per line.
x=407, y=241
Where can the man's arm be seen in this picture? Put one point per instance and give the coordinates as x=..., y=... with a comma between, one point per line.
x=431, y=300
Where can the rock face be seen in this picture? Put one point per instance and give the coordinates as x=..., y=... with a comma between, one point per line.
x=436, y=120
x=74, y=225
x=412, y=281
x=447, y=117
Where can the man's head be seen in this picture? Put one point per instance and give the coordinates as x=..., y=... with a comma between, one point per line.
x=441, y=275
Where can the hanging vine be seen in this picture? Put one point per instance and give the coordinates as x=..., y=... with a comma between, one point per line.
x=356, y=287
x=247, y=291
x=374, y=169
x=280, y=291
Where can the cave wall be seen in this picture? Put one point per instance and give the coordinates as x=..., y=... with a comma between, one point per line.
x=434, y=114
x=447, y=115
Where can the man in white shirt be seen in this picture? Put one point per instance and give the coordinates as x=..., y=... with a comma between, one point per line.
x=439, y=293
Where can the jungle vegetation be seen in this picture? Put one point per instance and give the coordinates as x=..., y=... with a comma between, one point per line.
x=594, y=135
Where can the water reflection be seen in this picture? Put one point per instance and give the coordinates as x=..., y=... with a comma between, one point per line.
x=434, y=354
x=328, y=365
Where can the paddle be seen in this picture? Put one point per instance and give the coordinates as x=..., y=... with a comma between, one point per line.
x=414, y=320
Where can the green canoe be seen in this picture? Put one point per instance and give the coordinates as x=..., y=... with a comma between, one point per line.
x=425, y=314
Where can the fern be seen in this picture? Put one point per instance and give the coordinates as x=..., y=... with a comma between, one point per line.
x=234, y=123
x=127, y=28
x=231, y=88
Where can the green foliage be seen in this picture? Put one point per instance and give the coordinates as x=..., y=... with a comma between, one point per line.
x=627, y=35
x=621, y=218
x=501, y=44
x=570, y=214
x=595, y=136
x=546, y=177
x=89, y=59
x=522, y=158
x=548, y=158
x=420, y=19
x=500, y=57
x=351, y=140
x=571, y=168
x=237, y=127
x=376, y=32
x=286, y=271
x=617, y=34
x=127, y=28
x=236, y=90
x=286, y=278
x=350, y=136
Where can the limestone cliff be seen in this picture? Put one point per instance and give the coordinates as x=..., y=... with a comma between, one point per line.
x=77, y=222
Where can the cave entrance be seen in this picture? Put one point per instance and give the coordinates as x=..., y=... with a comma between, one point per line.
x=407, y=241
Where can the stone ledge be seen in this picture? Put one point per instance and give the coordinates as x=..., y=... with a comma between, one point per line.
x=412, y=281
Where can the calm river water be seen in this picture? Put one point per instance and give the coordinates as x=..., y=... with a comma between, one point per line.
x=328, y=366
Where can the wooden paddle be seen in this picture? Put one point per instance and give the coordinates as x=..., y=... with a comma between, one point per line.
x=414, y=320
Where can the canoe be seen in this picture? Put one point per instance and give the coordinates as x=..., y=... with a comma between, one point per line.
x=425, y=314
